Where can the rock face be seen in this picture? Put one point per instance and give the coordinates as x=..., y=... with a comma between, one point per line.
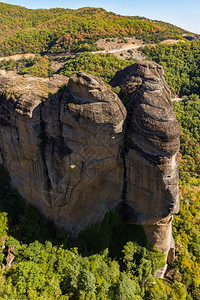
x=149, y=152
x=76, y=152
x=62, y=153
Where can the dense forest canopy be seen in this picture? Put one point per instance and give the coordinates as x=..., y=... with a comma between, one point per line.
x=60, y=30
x=181, y=63
x=109, y=260
x=101, y=65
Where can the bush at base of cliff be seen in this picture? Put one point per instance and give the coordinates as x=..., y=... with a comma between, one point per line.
x=162, y=291
x=52, y=269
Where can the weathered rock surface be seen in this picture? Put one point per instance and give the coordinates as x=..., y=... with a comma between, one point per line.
x=62, y=153
x=76, y=152
x=150, y=151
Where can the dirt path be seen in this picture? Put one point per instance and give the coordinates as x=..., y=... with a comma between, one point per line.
x=128, y=47
x=109, y=45
x=123, y=48
x=18, y=56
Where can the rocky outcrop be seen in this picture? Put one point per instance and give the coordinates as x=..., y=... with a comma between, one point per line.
x=77, y=152
x=149, y=152
x=62, y=153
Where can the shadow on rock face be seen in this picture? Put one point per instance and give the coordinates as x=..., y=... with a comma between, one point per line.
x=79, y=153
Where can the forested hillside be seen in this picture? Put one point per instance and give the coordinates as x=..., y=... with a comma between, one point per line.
x=101, y=65
x=181, y=63
x=60, y=30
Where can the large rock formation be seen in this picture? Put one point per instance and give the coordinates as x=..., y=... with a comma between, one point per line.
x=149, y=152
x=76, y=152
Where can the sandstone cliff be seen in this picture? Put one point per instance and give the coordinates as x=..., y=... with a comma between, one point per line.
x=77, y=152
x=149, y=152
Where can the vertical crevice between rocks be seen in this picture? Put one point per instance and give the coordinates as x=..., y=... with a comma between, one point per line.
x=127, y=212
x=123, y=154
x=2, y=158
x=43, y=137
